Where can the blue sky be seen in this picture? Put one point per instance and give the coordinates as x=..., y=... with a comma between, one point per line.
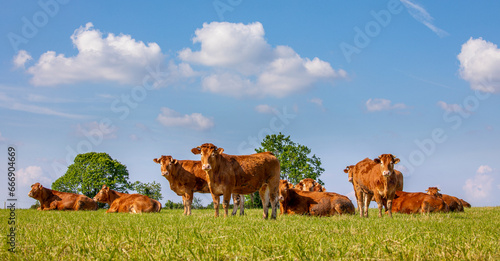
x=418, y=79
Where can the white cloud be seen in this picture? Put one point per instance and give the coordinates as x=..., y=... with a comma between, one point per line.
x=197, y=121
x=245, y=64
x=480, y=65
x=31, y=175
x=265, y=109
x=483, y=169
x=382, y=105
x=450, y=107
x=117, y=58
x=421, y=15
x=479, y=187
x=96, y=131
x=21, y=58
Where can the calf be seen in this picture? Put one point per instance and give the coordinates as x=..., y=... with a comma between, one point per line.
x=128, y=203
x=295, y=201
x=375, y=179
x=186, y=177
x=454, y=203
x=309, y=184
x=411, y=203
x=244, y=174
x=55, y=200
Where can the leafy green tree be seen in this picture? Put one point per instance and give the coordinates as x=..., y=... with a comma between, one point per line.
x=90, y=171
x=295, y=162
x=152, y=190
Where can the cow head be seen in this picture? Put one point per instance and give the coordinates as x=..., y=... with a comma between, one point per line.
x=36, y=191
x=103, y=195
x=434, y=191
x=167, y=165
x=209, y=155
x=283, y=189
x=306, y=184
x=386, y=162
x=349, y=170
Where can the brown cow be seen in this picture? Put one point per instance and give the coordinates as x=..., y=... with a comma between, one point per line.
x=465, y=203
x=296, y=201
x=128, y=203
x=399, y=184
x=375, y=178
x=454, y=203
x=309, y=184
x=55, y=200
x=240, y=174
x=418, y=202
x=186, y=177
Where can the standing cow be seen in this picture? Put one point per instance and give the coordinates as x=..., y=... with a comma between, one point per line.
x=375, y=179
x=55, y=200
x=244, y=174
x=127, y=203
x=350, y=170
x=186, y=177
x=454, y=203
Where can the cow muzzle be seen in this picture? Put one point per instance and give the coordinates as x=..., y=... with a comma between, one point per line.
x=164, y=173
x=281, y=198
x=386, y=173
x=206, y=167
x=350, y=179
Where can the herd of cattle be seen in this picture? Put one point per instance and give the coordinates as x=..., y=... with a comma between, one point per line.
x=235, y=176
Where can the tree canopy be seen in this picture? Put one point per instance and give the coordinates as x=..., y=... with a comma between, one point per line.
x=152, y=190
x=295, y=162
x=90, y=171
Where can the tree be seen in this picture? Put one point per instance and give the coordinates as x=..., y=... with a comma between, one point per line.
x=295, y=163
x=152, y=190
x=90, y=171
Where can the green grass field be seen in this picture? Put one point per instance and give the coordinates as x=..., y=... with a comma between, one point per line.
x=473, y=235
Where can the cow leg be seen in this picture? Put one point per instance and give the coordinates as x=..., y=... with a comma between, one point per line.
x=216, y=200
x=360, y=198
x=368, y=199
x=242, y=204
x=236, y=202
x=184, y=204
x=264, y=196
x=273, y=197
x=189, y=202
x=225, y=203
x=389, y=207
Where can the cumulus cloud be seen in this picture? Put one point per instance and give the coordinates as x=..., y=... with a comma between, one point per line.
x=32, y=174
x=376, y=104
x=480, y=65
x=479, y=187
x=420, y=14
x=21, y=58
x=450, y=107
x=116, y=58
x=265, y=109
x=197, y=121
x=245, y=64
x=483, y=169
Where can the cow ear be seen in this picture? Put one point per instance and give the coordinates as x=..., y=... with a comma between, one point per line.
x=377, y=160
x=196, y=150
x=346, y=170
x=220, y=150
x=156, y=160
x=395, y=160
x=40, y=186
x=174, y=161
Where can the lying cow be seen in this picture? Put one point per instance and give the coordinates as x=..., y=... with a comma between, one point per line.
x=417, y=202
x=186, y=177
x=454, y=203
x=295, y=201
x=127, y=203
x=243, y=174
x=465, y=203
x=309, y=184
x=375, y=179
x=55, y=200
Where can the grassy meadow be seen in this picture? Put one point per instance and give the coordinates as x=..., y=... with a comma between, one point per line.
x=473, y=235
